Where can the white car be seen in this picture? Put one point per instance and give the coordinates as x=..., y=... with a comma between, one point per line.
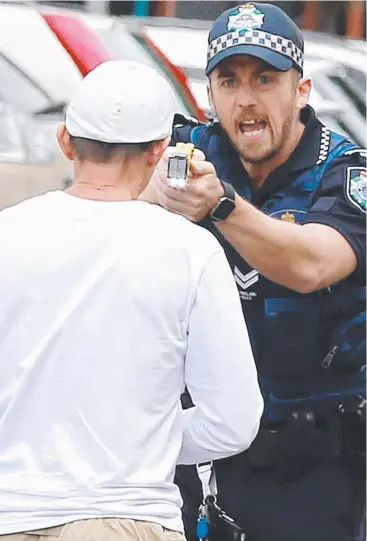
x=30, y=161
x=35, y=69
x=44, y=52
x=37, y=75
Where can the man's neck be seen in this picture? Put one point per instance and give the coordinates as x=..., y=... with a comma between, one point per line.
x=108, y=182
x=100, y=193
x=259, y=172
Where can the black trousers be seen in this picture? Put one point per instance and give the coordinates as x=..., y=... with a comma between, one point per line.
x=323, y=505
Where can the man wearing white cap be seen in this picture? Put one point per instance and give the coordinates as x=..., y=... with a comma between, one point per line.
x=109, y=306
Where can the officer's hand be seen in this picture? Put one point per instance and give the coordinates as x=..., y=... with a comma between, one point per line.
x=201, y=194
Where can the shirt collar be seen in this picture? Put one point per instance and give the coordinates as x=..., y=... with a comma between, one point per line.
x=312, y=149
x=314, y=144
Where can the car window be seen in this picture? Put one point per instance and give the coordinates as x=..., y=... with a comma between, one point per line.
x=353, y=84
x=124, y=46
x=350, y=115
x=19, y=90
x=358, y=77
x=185, y=47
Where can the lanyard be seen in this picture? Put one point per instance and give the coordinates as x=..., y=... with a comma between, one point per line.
x=208, y=480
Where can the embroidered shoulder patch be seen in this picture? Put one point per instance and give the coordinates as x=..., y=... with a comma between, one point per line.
x=357, y=187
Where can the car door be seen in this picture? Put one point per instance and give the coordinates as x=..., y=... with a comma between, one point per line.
x=29, y=161
x=13, y=170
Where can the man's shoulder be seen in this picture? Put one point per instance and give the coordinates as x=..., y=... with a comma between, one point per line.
x=23, y=207
x=349, y=153
x=185, y=126
x=337, y=156
x=183, y=233
x=344, y=157
x=337, y=148
x=181, y=121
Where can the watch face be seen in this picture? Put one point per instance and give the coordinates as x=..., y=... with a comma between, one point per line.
x=223, y=209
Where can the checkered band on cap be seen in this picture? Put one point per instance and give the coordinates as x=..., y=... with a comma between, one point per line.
x=273, y=42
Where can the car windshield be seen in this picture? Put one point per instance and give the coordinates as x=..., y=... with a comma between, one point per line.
x=126, y=47
x=185, y=47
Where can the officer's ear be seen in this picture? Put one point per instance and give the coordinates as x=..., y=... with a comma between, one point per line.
x=303, y=92
x=63, y=138
x=210, y=99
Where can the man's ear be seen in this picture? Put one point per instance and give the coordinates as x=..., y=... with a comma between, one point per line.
x=63, y=138
x=303, y=92
x=155, y=152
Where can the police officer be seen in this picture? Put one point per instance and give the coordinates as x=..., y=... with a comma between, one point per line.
x=287, y=199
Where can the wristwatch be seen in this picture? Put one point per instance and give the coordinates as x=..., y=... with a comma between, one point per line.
x=225, y=205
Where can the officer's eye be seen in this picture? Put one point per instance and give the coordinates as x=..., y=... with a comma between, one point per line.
x=229, y=83
x=264, y=79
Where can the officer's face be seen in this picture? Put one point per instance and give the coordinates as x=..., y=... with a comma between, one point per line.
x=257, y=106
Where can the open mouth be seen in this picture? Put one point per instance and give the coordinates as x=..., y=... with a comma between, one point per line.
x=252, y=128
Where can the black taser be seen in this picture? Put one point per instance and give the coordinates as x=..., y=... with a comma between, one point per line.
x=215, y=525
x=222, y=527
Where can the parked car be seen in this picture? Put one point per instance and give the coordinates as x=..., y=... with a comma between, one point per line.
x=30, y=161
x=91, y=39
x=44, y=52
x=348, y=54
x=346, y=112
x=337, y=66
x=37, y=76
x=133, y=43
x=35, y=69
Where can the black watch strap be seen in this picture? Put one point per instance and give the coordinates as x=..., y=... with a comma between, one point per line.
x=229, y=191
x=225, y=205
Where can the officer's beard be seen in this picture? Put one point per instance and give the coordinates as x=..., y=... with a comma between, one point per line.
x=275, y=149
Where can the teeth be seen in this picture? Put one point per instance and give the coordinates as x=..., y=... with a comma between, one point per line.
x=251, y=121
x=252, y=132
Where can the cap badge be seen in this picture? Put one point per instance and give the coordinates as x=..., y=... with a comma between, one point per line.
x=246, y=17
x=288, y=217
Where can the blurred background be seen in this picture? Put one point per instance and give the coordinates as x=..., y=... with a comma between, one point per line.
x=46, y=47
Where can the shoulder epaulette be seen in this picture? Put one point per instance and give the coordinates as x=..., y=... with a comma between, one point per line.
x=183, y=120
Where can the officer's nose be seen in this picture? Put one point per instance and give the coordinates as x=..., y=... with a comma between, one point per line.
x=246, y=97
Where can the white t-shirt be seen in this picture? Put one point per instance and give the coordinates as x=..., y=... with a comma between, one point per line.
x=106, y=310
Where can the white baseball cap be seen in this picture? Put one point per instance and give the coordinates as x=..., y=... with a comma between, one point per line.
x=122, y=101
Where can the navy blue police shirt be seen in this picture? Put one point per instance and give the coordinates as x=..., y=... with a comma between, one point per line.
x=305, y=345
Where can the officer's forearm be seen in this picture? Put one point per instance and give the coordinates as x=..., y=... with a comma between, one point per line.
x=302, y=258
